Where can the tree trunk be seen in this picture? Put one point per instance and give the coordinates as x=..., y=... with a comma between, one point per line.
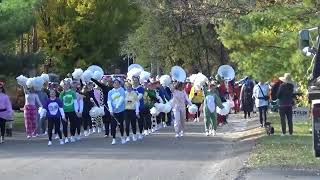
x=34, y=39
x=21, y=45
x=28, y=43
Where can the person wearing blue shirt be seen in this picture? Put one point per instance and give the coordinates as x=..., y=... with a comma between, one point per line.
x=116, y=105
x=140, y=90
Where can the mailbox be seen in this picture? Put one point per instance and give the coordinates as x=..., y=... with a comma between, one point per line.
x=316, y=126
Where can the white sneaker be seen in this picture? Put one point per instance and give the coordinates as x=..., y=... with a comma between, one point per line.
x=90, y=132
x=49, y=143
x=114, y=141
x=57, y=137
x=134, y=138
x=1, y=140
x=207, y=133
x=149, y=131
x=72, y=139
x=210, y=131
x=86, y=133
x=213, y=132
x=45, y=133
x=61, y=142
x=123, y=140
x=152, y=130
x=177, y=135
x=128, y=139
x=140, y=137
x=164, y=125
x=93, y=130
x=66, y=140
x=282, y=134
x=195, y=120
x=146, y=133
x=181, y=134
x=198, y=119
x=78, y=138
x=28, y=137
x=106, y=136
x=99, y=130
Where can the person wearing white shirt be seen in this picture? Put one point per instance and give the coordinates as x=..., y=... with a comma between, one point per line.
x=260, y=94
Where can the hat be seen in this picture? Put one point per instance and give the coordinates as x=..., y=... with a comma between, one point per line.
x=286, y=78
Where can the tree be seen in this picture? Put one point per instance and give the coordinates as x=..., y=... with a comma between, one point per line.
x=84, y=32
x=264, y=42
x=182, y=33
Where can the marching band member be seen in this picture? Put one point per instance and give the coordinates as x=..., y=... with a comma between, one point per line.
x=142, y=113
x=87, y=92
x=150, y=98
x=179, y=102
x=131, y=112
x=196, y=95
x=212, y=100
x=70, y=105
x=105, y=85
x=6, y=112
x=77, y=88
x=116, y=106
x=31, y=111
x=55, y=113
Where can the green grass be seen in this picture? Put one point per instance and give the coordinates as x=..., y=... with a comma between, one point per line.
x=287, y=151
x=18, y=123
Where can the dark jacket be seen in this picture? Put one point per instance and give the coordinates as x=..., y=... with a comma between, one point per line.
x=285, y=94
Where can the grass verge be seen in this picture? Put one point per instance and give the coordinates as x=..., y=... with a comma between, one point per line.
x=18, y=123
x=294, y=151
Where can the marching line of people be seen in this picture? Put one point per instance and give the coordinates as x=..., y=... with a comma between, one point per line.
x=137, y=106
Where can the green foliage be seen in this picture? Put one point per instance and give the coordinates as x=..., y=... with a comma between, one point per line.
x=264, y=43
x=85, y=32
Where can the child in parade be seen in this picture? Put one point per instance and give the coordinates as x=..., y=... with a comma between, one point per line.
x=131, y=112
x=105, y=85
x=70, y=104
x=32, y=101
x=41, y=122
x=150, y=98
x=212, y=100
x=77, y=89
x=6, y=112
x=116, y=105
x=140, y=91
x=179, y=102
x=196, y=95
x=88, y=94
x=55, y=113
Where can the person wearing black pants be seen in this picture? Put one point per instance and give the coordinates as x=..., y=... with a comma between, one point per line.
x=285, y=96
x=263, y=114
x=131, y=119
x=54, y=122
x=260, y=93
x=2, y=129
x=74, y=123
x=116, y=106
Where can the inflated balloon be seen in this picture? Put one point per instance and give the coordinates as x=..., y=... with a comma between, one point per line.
x=30, y=82
x=193, y=109
x=231, y=103
x=225, y=110
x=167, y=107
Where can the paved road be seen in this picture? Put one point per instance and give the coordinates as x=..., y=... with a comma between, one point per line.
x=159, y=156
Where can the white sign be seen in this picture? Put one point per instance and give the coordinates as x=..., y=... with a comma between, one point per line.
x=300, y=113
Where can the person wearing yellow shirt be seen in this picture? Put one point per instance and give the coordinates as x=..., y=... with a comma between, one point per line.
x=131, y=112
x=196, y=95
